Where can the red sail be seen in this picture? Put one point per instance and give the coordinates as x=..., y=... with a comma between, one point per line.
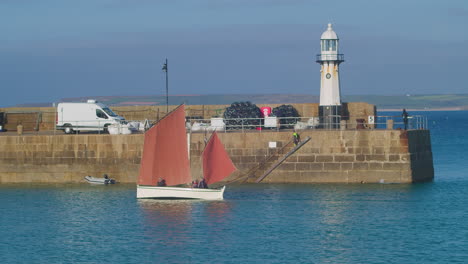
x=165, y=151
x=217, y=164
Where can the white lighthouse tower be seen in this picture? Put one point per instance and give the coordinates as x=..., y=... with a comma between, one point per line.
x=329, y=59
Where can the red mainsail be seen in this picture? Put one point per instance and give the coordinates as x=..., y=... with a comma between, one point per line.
x=165, y=151
x=217, y=165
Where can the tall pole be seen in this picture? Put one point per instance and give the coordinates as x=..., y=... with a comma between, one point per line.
x=167, y=86
x=55, y=115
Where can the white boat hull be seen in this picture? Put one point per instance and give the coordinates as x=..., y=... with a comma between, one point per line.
x=94, y=180
x=154, y=192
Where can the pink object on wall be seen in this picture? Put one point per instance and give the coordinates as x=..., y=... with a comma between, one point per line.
x=266, y=111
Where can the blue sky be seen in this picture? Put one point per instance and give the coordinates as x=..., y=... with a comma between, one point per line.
x=52, y=49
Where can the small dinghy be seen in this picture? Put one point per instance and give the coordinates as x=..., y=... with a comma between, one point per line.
x=104, y=180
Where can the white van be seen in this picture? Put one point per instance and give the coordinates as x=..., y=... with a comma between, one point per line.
x=89, y=116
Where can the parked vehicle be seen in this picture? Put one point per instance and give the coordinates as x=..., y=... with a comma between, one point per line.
x=89, y=116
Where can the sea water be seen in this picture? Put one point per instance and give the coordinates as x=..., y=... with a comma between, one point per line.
x=264, y=223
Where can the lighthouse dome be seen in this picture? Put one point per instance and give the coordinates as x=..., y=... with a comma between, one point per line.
x=329, y=33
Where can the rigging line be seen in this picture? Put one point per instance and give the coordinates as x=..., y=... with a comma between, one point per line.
x=251, y=172
x=280, y=161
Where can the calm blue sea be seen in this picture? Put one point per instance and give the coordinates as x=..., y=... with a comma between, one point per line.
x=327, y=223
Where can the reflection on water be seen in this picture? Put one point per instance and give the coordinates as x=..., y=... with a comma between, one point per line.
x=183, y=224
x=167, y=221
x=172, y=212
x=256, y=223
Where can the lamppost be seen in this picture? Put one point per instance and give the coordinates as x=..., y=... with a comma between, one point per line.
x=164, y=68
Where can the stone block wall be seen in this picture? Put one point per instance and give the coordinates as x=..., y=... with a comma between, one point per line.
x=344, y=156
x=420, y=149
x=68, y=158
x=350, y=156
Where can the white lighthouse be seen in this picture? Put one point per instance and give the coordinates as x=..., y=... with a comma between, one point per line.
x=329, y=59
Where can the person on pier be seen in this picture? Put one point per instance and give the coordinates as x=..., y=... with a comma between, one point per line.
x=405, y=118
x=296, y=138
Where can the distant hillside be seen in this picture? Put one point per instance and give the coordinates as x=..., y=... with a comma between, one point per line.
x=423, y=102
x=201, y=99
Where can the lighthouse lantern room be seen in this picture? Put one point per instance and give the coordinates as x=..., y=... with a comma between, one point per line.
x=329, y=60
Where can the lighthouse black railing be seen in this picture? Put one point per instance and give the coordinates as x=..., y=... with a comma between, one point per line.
x=330, y=57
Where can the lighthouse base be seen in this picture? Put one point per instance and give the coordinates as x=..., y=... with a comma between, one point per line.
x=330, y=116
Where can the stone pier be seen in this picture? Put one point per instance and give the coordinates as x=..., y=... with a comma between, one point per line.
x=332, y=156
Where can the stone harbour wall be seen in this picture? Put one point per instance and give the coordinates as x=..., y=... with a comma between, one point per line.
x=334, y=156
x=68, y=158
x=43, y=118
x=331, y=156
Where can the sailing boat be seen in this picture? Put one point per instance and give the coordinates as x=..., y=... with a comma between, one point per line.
x=166, y=156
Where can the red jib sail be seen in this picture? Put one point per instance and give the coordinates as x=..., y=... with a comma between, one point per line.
x=217, y=165
x=165, y=151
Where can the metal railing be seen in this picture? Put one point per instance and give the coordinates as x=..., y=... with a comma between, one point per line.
x=308, y=123
x=255, y=124
x=330, y=57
